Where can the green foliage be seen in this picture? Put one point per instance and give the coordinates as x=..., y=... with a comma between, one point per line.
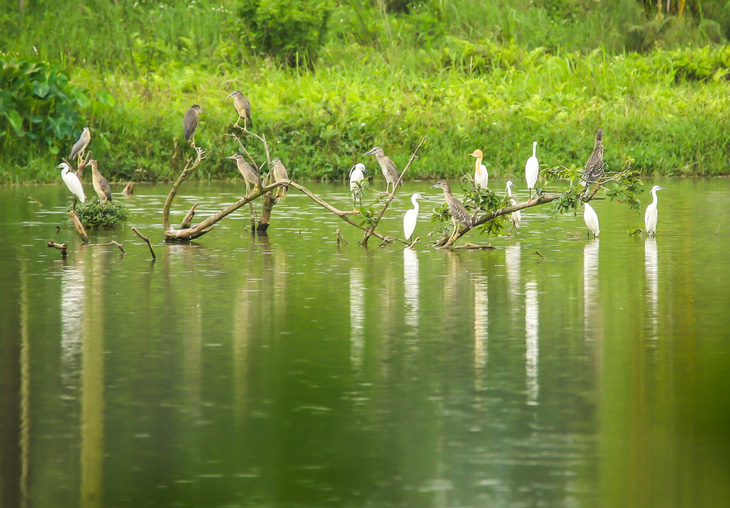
x=109, y=215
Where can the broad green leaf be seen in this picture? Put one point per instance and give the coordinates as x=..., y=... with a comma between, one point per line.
x=16, y=122
x=105, y=98
x=41, y=89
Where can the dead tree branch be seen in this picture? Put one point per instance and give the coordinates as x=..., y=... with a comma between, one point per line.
x=59, y=246
x=117, y=244
x=146, y=239
x=190, y=166
x=79, y=227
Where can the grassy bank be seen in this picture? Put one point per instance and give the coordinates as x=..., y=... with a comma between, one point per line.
x=664, y=108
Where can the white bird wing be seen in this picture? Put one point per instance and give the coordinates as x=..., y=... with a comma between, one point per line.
x=74, y=185
x=532, y=169
x=409, y=222
x=482, y=178
x=650, y=219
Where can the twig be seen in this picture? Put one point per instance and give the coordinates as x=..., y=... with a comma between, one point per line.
x=340, y=239
x=190, y=166
x=538, y=253
x=474, y=246
x=146, y=239
x=35, y=200
x=718, y=227
x=121, y=248
x=59, y=246
x=188, y=219
x=128, y=189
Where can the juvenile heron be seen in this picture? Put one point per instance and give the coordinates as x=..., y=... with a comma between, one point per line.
x=278, y=171
x=515, y=217
x=190, y=123
x=594, y=164
x=481, y=176
x=249, y=174
x=651, y=216
x=357, y=179
x=532, y=169
x=81, y=143
x=591, y=218
x=456, y=209
x=101, y=186
x=387, y=166
x=72, y=182
x=411, y=217
x=243, y=108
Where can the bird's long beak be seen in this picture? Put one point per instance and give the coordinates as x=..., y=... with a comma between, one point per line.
x=371, y=152
x=231, y=157
x=59, y=166
x=473, y=154
x=87, y=164
x=230, y=95
x=662, y=188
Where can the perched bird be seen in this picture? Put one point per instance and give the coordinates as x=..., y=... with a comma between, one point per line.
x=81, y=143
x=456, y=208
x=532, y=169
x=481, y=176
x=515, y=217
x=357, y=178
x=101, y=186
x=387, y=166
x=411, y=217
x=594, y=164
x=651, y=216
x=591, y=218
x=278, y=171
x=72, y=182
x=190, y=123
x=249, y=174
x=243, y=108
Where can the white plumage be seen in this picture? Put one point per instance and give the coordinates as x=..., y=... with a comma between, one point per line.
x=591, y=219
x=651, y=216
x=481, y=176
x=532, y=169
x=411, y=217
x=357, y=176
x=72, y=181
x=515, y=217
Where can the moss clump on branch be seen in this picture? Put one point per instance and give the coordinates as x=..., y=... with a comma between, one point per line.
x=94, y=215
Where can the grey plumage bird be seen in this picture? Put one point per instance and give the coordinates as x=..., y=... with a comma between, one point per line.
x=249, y=174
x=278, y=171
x=81, y=143
x=456, y=208
x=594, y=164
x=101, y=186
x=387, y=166
x=190, y=123
x=243, y=108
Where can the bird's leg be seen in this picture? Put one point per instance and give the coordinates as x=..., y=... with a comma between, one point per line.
x=74, y=207
x=248, y=187
x=236, y=124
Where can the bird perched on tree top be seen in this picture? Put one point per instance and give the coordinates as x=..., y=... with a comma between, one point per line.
x=243, y=108
x=81, y=143
x=190, y=123
x=278, y=171
x=594, y=164
x=387, y=166
x=249, y=174
x=101, y=186
x=456, y=208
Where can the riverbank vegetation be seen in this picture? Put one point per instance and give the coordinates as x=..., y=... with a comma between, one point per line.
x=329, y=80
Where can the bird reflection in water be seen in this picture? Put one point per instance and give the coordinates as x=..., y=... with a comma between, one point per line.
x=357, y=316
x=481, y=330
x=410, y=287
x=651, y=269
x=532, y=350
x=590, y=283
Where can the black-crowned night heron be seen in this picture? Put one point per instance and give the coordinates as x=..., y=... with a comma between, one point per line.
x=651, y=216
x=532, y=169
x=481, y=176
x=101, y=186
x=72, y=182
x=278, y=171
x=190, y=123
x=594, y=164
x=243, y=108
x=387, y=166
x=80, y=145
x=515, y=217
x=357, y=179
x=456, y=209
x=411, y=217
x=591, y=218
x=249, y=174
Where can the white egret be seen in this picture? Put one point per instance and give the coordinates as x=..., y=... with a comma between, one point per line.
x=357, y=180
x=387, y=166
x=651, y=216
x=72, y=182
x=591, y=218
x=515, y=217
x=481, y=175
x=411, y=217
x=532, y=169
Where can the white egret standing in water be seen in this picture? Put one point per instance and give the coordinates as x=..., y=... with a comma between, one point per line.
x=357, y=178
x=532, y=169
x=411, y=217
x=72, y=182
x=481, y=175
x=591, y=218
x=515, y=217
x=652, y=214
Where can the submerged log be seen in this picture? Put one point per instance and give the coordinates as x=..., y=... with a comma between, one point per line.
x=128, y=189
x=79, y=227
x=59, y=246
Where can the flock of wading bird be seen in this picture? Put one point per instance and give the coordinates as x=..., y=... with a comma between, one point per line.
x=358, y=174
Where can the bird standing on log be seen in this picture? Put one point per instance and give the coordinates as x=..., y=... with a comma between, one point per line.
x=278, y=171
x=532, y=169
x=101, y=186
x=80, y=145
x=72, y=182
x=249, y=174
x=243, y=108
x=190, y=123
x=481, y=176
x=387, y=166
x=594, y=164
x=357, y=178
x=456, y=208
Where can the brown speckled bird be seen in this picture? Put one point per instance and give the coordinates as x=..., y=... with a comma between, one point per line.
x=387, y=166
x=190, y=123
x=243, y=108
x=594, y=164
x=101, y=186
x=249, y=174
x=456, y=209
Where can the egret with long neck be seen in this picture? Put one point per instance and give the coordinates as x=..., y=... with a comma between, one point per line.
x=532, y=169
x=515, y=217
x=411, y=217
x=651, y=216
x=481, y=175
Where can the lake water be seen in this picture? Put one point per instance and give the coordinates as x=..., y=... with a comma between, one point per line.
x=283, y=371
